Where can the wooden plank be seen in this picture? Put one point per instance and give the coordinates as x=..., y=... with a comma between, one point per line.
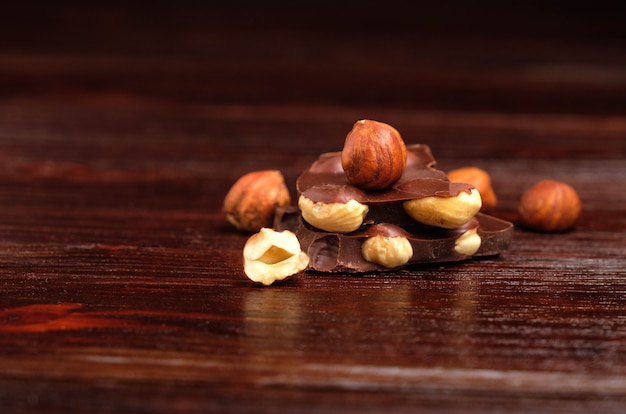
x=122, y=283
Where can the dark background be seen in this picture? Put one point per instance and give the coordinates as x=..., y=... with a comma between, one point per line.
x=379, y=51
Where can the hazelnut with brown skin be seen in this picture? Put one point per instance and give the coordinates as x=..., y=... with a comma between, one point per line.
x=374, y=155
x=252, y=201
x=480, y=179
x=550, y=206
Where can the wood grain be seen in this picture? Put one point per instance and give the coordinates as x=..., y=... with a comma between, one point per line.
x=121, y=283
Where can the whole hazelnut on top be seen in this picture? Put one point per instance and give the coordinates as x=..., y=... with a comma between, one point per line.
x=374, y=155
x=550, y=206
x=252, y=201
x=480, y=179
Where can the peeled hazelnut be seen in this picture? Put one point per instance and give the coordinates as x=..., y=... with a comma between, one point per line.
x=480, y=179
x=252, y=201
x=374, y=155
x=388, y=246
x=270, y=255
x=550, y=206
x=468, y=243
x=446, y=212
x=333, y=217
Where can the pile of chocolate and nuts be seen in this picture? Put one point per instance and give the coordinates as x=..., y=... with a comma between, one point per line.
x=377, y=205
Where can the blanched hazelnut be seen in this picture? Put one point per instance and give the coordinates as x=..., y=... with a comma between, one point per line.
x=270, y=255
x=388, y=246
x=550, y=206
x=337, y=217
x=468, y=243
x=374, y=155
x=480, y=179
x=252, y=201
x=446, y=212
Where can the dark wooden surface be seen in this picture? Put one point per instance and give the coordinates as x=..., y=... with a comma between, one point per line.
x=121, y=285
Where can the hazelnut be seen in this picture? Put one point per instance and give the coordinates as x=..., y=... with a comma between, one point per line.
x=270, y=255
x=446, y=212
x=252, y=201
x=550, y=206
x=480, y=179
x=374, y=155
x=337, y=217
x=468, y=243
x=387, y=246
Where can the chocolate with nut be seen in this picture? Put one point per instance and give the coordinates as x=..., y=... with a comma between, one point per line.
x=335, y=252
x=325, y=181
x=331, y=251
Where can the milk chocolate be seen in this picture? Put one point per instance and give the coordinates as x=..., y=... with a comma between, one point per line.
x=325, y=181
x=335, y=252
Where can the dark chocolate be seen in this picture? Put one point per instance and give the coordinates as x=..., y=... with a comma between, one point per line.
x=420, y=179
x=386, y=230
x=325, y=181
x=334, y=252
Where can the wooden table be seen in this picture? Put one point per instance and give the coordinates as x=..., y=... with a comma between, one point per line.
x=121, y=284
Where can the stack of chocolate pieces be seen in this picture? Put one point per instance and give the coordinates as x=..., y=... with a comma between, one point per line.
x=404, y=238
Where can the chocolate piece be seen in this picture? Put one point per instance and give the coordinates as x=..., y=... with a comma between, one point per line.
x=386, y=230
x=326, y=181
x=334, y=252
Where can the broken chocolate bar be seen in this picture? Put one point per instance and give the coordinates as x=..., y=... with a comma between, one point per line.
x=326, y=182
x=384, y=213
x=334, y=252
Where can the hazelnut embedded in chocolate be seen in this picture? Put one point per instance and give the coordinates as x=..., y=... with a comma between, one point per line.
x=387, y=245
